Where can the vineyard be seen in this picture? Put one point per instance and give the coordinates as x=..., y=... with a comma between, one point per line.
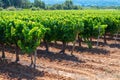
x=60, y=45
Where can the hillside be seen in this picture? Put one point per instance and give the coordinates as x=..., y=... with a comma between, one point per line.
x=87, y=2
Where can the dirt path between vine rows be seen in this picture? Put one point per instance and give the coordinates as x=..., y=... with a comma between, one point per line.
x=102, y=63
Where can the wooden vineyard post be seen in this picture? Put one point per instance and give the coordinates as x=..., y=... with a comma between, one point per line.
x=74, y=44
x=116, y=37
x=98, y=37
x=3, y=51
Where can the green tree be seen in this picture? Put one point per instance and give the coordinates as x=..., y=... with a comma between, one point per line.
x=39, y=3
x=6, y=3
x=68, y=4
x=1, y=3
x=58, y=6
x=26, y=4
x=75, y=7
x=15, y=3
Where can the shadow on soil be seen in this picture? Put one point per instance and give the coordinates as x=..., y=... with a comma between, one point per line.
x=115, y=46
x=57, y=56
x=94, y=43
x=15, y=70
x=93, y=50
x=11, y=50
x=81, y=49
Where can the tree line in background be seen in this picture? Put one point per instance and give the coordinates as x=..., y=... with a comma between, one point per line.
x=37, y=4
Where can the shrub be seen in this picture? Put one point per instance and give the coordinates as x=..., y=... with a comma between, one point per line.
x=35, y=8
x=1, y=8
x=12, y=8
x=19, y=9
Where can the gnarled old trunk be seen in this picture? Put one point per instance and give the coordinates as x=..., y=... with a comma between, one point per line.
x=105, y=42
x=79, y=41
x=17, y=54
x=3, y=51
x=31, y=64
x=46, y=45
x=77, y=38
x=91, y=39
x=33, y=61
x=63, y=48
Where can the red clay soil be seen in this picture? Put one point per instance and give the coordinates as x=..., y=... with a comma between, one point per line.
x=102, y=63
